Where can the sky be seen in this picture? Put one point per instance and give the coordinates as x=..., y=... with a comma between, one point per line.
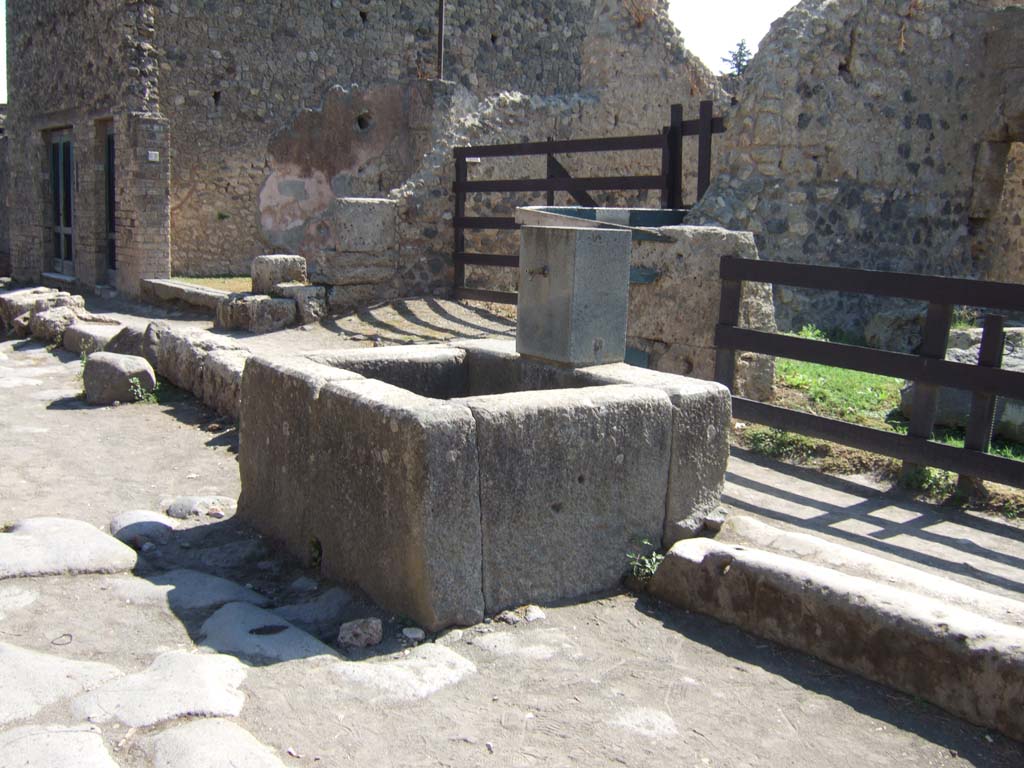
x=712, y=28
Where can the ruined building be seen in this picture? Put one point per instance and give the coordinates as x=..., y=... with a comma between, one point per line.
x=188, y=136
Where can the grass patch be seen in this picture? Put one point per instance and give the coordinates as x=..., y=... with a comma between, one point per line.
x=872, y=401
x=232, y=283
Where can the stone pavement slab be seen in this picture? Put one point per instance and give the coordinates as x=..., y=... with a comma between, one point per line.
x=211, y=743
x=183, y=590
x=424, y=671
x=49, y=545
x=54, y=746
x=253, y=633
x=177, y=683
x=32, y=680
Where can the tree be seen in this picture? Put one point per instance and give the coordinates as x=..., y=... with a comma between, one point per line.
x=738, y=58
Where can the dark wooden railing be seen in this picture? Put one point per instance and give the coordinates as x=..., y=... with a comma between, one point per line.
x=928, y=368
x=558, y=179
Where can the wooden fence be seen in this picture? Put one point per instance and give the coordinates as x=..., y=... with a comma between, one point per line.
x=558, y=179
x=928, y=368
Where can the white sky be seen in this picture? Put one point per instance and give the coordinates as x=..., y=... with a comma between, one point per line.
x=712, y=28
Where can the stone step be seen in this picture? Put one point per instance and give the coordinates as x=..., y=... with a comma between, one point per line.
x=751, y=532
x=963, y=662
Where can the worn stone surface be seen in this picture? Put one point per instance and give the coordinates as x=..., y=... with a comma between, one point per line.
x=255, y=313
x=180, y=353
x=573, y=294
x=569, y=481
x=748, y=531
x=178, y=293
x=184, y=590
x=213, y=743
x=700, y=442
x=14, y=598
x=429, y=371
x=244, y=630
x=129, y=341
x=18, y=302
x=268, y=271
x=137, y=527
x=388, y=527
x=886, y=634
x=673, y=317
x=423, y=672
x=47, y=746
x=310, y=300
x=34, y=680
x=354, y=241
x=176, y=684
x=89, y=337
x=49, y=324
x=111, y=378
x=276, y=455
x=49, y=545
x=222, y=380
x=184, y=507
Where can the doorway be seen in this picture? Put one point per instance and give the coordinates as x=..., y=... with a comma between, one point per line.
x=61, y=186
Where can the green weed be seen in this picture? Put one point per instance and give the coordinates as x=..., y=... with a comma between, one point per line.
x=643, y=565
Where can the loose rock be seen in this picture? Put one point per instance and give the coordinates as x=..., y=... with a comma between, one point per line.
x=185, y=507
x=361, y=633
x=111, y=378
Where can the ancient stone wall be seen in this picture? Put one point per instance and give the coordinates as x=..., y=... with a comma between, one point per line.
x=277, y=108
x=1000, y=241
x=79, y=67
x=855, y=138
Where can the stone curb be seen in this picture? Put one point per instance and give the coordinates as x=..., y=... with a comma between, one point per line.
x=966, y=664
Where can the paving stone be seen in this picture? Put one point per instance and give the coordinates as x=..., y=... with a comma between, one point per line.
x=42, y=546
x=319, y=616
x=424, y=671
x=184, y=590
x=185, y=507
x=177, y=684
x=13, y=598
x=209, y=744
x=138, y=526
x=54, y=746
x=244, y=629
x=31, y=680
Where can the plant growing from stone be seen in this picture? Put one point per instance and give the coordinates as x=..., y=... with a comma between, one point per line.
x=643, y=566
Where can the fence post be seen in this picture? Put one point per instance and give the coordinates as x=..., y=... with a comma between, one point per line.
x=666, y=168
x=983, y=404
x=676, y=155
x=926, y=396
x=460, y=213
x=704, y=148
x=728, y=315
x=551, y=172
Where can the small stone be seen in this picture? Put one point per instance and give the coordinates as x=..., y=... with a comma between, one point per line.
x=509, y=617
x=215, y=513
x=414, y=633
x=149, y=546
x=534, y=613
x=184, y=507
x=361, y=633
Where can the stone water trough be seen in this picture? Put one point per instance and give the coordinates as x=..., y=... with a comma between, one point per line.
x=450, y=481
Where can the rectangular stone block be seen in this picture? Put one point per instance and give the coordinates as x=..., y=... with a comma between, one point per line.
x=702, y=411
x=268, y=271
x=570, y=481
x=397, y=500
x=573, y=294
x=221, y=380
x=276, y=457
x=428, y=371
x=364, y=224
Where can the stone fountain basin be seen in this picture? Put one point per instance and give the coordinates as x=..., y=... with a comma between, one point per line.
x=452, y=481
